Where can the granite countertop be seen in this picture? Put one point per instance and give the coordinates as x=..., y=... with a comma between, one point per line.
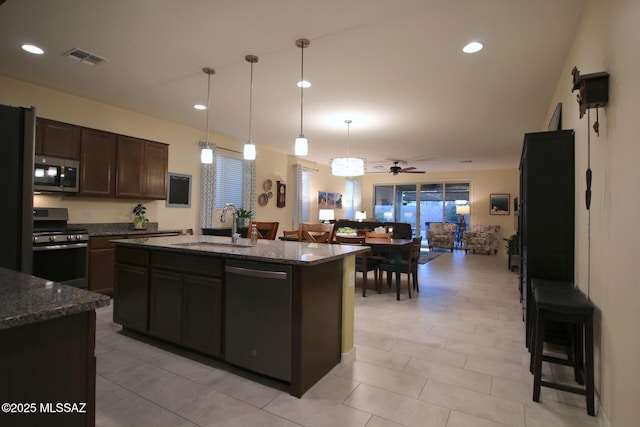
x=120, y=229
x=26, y=299
x=275, y=251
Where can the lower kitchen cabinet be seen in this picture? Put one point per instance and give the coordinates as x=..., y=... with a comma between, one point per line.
x=180, y=295
x=131, y=296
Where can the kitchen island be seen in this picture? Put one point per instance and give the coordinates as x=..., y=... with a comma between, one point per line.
x=282, y=309
x=47, y=342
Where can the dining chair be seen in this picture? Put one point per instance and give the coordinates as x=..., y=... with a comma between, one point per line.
x=266, y=230
x=290, y=234
x=379, y=255
x=317, y=233
x=408, y=264
x=364, y=263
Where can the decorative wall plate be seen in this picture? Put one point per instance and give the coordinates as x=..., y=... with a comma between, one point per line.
x=263, y=199
x=266, y=186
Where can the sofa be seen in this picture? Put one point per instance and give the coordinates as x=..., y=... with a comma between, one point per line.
x=482, y=238
x=401, y=230
x=441, y=235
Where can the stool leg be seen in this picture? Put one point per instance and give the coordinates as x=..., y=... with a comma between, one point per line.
x=536, y=354
x=588, y=365
x=531, y=333
x=579, y=349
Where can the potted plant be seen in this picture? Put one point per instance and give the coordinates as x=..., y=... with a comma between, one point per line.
x=139, y=220
x=242, y=217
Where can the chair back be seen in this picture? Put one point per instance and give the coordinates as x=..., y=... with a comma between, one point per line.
x=356, y=240
x=292, y=233
x=317, y=233
x=415, y=249
x=374, y=235
x=266, y=230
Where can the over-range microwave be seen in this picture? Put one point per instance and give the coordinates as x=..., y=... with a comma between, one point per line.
x=52, y=174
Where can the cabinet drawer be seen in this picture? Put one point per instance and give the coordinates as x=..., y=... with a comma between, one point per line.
x=205, y=265
x=133, y=256
x=102, y=242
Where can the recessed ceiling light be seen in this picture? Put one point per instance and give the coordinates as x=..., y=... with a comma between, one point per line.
x=200, y=107
x=304, y=84
x=32, y=49
x=473, y=47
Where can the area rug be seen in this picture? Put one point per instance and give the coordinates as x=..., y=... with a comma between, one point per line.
x=425, y=257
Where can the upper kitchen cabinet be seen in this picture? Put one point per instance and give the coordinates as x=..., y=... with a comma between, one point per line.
x=97, y=163
x=141, y=168
x=57, y=139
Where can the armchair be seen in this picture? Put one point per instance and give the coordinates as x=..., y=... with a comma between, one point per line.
x=483, y=238
x=441, y=235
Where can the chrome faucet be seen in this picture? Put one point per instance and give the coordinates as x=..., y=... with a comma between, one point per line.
x=234, y=217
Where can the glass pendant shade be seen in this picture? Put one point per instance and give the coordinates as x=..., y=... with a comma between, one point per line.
x=348, y=166
x=302, y=147
x=249, y=152
x=206, y=155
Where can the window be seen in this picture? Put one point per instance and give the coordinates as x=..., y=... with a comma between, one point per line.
x=306, y=195
x=420, y=204
x=228, y=181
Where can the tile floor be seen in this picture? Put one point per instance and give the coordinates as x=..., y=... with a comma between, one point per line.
x=452, y=356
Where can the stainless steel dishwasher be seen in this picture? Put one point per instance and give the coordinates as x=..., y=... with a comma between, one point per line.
x=258, y=317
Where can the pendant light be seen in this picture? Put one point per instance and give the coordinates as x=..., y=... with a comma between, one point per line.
x=249, y=152
x=348, y=166
x=302, y=147
x=206, y=154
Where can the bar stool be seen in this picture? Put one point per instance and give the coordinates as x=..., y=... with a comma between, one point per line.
x=573, y=308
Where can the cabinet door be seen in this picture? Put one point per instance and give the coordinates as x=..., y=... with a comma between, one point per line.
x=130, y=161
x=130, y=307
x=58, y=139
x=165, y=305
x=156, y=159
x=102, y=270
x=97, y=163
x=202, y=327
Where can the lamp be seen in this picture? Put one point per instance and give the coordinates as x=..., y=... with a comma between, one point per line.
x=347, y=166
x=361, y=215
x=462, y=210
x=326, y=215
x=206, y=154
x=302, y=147
x=249, y=152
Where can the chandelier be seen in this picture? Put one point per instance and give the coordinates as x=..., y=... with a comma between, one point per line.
x=348, y=166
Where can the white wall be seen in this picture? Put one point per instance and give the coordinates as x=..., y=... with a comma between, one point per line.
x=607, y=266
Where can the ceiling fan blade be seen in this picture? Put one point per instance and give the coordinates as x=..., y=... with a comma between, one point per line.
x=407, y=169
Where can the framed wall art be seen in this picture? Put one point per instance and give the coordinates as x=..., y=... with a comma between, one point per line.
x=329, y=200
x=500, y=204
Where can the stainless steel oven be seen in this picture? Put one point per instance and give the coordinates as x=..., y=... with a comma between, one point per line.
x=60, y=253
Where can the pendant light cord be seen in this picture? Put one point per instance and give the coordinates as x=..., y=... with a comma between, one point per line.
x=209, y=72
x=302, y=46
x=251, y=99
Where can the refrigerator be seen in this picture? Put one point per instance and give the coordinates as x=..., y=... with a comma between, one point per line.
x=17, y=141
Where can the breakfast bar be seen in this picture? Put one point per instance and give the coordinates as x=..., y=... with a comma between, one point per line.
x=281, y=309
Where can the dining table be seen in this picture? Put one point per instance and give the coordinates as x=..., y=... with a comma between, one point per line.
x=395, y=249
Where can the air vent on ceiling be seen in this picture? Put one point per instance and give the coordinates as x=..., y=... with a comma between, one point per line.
x=84, y=56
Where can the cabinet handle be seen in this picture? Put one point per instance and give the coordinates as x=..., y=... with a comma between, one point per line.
x=278, y=275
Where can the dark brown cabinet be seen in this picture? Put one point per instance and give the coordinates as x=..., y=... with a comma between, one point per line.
x=57, y=139
x=180, y=295
x=102, y=260
x=141, y=168
x=547, y=211
x=131, y=295
x=97, y=163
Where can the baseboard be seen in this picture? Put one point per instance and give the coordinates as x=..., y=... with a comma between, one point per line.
x=349, y=356
x=602, y=419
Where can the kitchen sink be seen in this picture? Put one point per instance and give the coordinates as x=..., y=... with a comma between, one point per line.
x=213, y=244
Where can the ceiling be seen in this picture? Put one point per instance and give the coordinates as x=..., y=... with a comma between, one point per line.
x=393, y=67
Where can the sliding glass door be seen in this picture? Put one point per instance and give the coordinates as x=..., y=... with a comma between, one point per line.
x=421, y=204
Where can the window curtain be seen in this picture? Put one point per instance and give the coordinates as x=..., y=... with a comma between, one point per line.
x=208, y=193
x=357, y=193
x=297, y=199
x=249, y=186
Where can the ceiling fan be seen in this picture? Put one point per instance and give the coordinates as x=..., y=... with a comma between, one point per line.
x=395, y=169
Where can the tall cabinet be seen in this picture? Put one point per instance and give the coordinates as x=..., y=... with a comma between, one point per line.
x=547, y=211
